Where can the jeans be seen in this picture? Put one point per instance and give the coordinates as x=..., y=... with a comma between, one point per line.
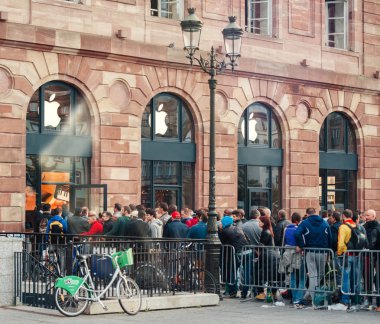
x=297, y=280
x=246, y=272
x=232, y=287
x=316, y=262
x=338, y=267
x=351, y=278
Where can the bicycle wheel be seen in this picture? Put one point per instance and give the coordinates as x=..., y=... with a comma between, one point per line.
x=129, y=295
x=71, y=305
x=204, y=281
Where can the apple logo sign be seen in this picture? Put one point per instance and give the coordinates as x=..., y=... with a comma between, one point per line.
x=161, y=126
x=251, y=128
x=51, y=112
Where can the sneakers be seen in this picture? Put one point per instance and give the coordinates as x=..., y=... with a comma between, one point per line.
x=261, y=296
x=302, y=304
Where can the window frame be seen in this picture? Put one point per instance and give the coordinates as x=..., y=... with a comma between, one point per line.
x=160, y=11
x=249, y=19
x=345, y=24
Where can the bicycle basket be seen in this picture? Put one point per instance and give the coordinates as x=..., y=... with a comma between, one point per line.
x=123, y=258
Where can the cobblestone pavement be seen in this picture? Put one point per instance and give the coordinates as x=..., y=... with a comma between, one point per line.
x=229, y=311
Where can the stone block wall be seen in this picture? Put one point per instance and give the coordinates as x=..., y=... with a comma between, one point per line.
x=8, y=246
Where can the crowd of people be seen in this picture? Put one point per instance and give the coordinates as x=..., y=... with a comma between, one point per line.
x=330, y=230
x=133, y=221
x=315, y=234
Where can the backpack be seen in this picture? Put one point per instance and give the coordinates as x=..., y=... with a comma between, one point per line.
x=358, y=240
x=56, y=227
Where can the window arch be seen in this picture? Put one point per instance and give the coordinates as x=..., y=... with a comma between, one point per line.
x=259, y=159
x=338, y=163
x=58, y=146
x=168, y=152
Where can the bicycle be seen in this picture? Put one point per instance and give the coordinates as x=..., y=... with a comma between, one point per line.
x=73, y=293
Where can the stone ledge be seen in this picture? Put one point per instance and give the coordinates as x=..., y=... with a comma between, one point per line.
x=158, y=303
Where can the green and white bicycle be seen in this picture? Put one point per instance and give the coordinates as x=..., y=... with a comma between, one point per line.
x=73, y=294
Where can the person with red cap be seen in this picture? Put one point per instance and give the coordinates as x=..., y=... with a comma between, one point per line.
x=175, y=228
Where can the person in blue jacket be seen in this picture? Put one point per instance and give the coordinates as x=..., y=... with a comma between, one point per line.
x=199, y=231
x=313, y=232
x=56, y=217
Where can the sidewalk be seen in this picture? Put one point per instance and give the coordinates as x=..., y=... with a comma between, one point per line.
x=229, y=311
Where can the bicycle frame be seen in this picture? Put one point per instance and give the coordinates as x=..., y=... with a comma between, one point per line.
x=87, y=283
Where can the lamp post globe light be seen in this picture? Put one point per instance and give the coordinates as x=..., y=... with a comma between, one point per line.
x=191, y=30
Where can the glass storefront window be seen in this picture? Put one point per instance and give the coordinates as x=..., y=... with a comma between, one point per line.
x=337, y=135
x=188, y=185
x=259, y=178
x=33, y=114
x=166, y=184
x=166, y=172
x=167, y=133
x=57, y=102
x=166, y=117
x=337, y=186
x=57, y=113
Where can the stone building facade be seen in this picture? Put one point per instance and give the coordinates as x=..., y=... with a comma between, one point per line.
x=118, y=55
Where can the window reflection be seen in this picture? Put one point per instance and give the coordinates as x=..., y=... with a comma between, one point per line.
x=166, y=117
x=57, y=108
x=171, y=121
x=165, y=172
x=33, y=114
x=261, y=127
x=82, y=117
x=146, y=123
x=337, y=134
x=336, y=128
x=337, y=189
x=258, y=176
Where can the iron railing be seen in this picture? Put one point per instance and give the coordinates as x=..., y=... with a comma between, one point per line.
x=161, y=266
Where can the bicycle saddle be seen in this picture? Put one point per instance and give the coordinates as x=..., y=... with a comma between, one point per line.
x=83, y=256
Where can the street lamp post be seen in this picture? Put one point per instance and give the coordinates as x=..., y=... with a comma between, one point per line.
x=191, y=30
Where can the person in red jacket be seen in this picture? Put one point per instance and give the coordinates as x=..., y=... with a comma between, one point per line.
x=96, y=226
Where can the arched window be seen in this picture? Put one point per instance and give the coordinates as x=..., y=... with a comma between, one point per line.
x=168, y=153
x=58, y=146
x=259, y=159
x=338, y=163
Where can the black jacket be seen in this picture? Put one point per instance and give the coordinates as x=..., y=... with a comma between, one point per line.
x=279, y=231
x=266, y=238
x=233, y=235
x=334, y=235
x=107, y=226
x=137, y=228
x=372, y=229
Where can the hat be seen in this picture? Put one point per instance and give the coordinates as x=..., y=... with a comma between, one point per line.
x=227, y=221
x=134, y=213
x=176, y=214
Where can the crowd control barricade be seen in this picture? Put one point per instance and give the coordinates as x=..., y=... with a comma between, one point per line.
x=310, y=272
x=228, y=265
x=360, y=274
x=161, y=266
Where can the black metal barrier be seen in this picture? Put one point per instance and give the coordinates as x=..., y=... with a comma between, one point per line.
x=161, y=266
